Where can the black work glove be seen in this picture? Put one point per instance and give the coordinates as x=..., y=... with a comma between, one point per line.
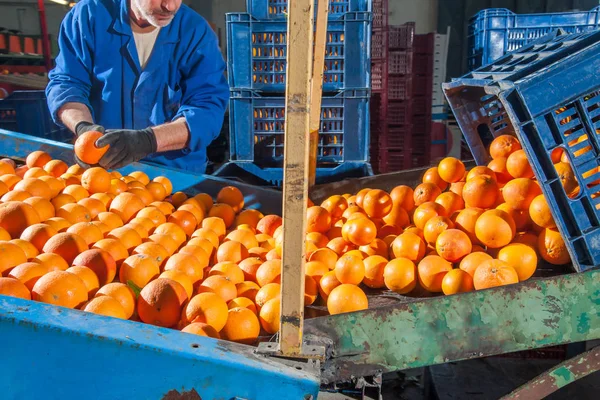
x=126, y=146
x=81, y=128
x=85, y=126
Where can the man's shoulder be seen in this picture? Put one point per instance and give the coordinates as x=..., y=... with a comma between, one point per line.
x=189, y=15
x=93, y=7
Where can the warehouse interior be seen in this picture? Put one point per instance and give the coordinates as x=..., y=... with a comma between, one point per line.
x=413, y=105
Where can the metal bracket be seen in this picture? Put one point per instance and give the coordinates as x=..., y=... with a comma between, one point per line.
x=310, y=359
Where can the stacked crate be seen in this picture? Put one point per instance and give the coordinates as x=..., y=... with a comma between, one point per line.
x=257, y=58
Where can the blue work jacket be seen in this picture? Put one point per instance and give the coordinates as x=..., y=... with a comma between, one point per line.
x=98, y=66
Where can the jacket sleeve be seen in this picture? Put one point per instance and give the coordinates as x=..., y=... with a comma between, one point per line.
x=70, y=80
x=205, y=92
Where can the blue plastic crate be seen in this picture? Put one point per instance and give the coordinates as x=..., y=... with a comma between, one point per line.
x=256, y=124
x=277, y=9
x=551, y=100
x=497, y=31
x=257, y=50
x=27, y=112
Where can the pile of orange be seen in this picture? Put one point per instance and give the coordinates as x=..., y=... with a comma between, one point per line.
x=127, y=247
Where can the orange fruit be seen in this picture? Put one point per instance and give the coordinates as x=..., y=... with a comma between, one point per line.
x=426, y=192
x=451, y=169
x=89, y=278
x=269, y=223
x=62, y=199
x=143, y=194
x=521, y=257
x=219, y=285
x=30, y=251
x=434, y=227
x=94, y=206
x=4, y=235
x=35, y=172
x=35, y=187
x=143, y=226
x=185, y=220
x=112, y=220
x=231, y=251
x=86, y=150
x=242, y=236
x=157, y=191
x=249, y=266
x=470, y=263
x=154, y=250
x=498, y=165
x=269, y=272
x=248, y=217
x=128, y=236
x=493, y=273
x=66, y=245
x=140, y=269
x=540, y=212
x=52, y=262
x=204, y=244
x=495, y=228
x=106, y=199
x=160, y=302
x=270, y=316
x=518, y=165
x=326, y=255
x=432, y=175
x=335, y=205
x=452, y=245
x=187, y=264
x=206, y=308
x=567, y=177
x=242, y=326
x=377, y=203
x=28, y=273
x=376, y=247
x=204, y=199
x=16, y=216
x=89, y=232
x=10, y=180
x=229, y=270
x=115, y=248
x=243, y=302
x=173, y=230
x=315, y=269
x=481, y=170
x=400, y=275
x=3, y=188
x=327, y=283
x=232, y=196
x=374, y=267
x=96, y=180
x=318, y=220
x=350, y=269
x=431, y=271
x=457, y=281
x=121, y=293
x=140, y=176
x=223, y=211
x=70, y=179
x=198, y=252
x=15, y=195
x=408, y=245
x=178, y=199
x=126, y=206
x=56, y=185
x=37, y=159
x=451, y=202
x=552, y=247
x=60, y=288
x=117, y=186
x=465, y=221
x=74, y=213
x=480, y=192
x=38, y=235
x=59, y=224
x=519, y=193
x=504, y=146
x=75, y=169
x=216, y=225
x=7, y=167
x=319, y=239
x=426, y=211
x=200, y=329
x=360, y=196
x=197, y=212
x=360, y=231
x=165, y=241
x=153, y=214
x=100, y=262
x=164, y=207
x=166, y=184
x=77, y=191
x=14, y=288
x=56, y=168
x=397, y=217
x=247, y=289
x=346, y=298
x=521, y=217
x=266, y=293
x=105, y=305
x=340, y=246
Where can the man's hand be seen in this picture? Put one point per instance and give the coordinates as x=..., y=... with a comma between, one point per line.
x=81, y=128
x=126, y=146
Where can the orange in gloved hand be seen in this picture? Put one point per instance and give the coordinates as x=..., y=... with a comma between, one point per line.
x=86, y=150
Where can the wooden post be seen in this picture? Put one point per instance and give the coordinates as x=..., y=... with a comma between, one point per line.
x=317, y=86
x=295, y=173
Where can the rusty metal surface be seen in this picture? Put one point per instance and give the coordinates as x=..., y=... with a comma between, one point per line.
x=559, y=376
x=533, y=314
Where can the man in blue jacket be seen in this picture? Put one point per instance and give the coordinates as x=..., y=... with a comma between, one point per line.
x=146, y=73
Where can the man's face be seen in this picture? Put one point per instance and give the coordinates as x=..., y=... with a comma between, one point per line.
x=159, y=13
